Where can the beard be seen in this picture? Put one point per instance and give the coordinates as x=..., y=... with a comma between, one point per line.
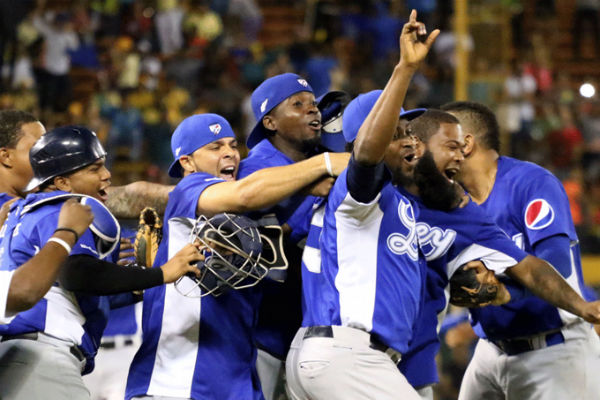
x=435, y=190
x=312, y=146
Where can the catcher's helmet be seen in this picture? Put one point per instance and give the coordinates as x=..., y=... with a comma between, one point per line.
x=232, y=249
x=63, y=150
x=332, y=106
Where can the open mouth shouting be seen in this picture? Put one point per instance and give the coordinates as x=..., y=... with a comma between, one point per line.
x=450, y=173
x=228, y=173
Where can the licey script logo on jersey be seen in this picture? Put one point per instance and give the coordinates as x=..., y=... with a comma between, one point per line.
x=400, y=243
x=539, y=214
x=215, y=128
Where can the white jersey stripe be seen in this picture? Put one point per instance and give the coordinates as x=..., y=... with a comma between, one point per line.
x=357, y=260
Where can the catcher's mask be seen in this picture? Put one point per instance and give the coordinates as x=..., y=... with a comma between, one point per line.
x=237, y=255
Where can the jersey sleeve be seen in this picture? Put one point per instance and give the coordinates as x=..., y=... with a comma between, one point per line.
x=186, y=194
x=489, y=244
x=545, y=210
x=348, y=210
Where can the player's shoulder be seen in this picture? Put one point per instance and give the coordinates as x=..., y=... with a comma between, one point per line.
x=193, y=180
x=522, y=172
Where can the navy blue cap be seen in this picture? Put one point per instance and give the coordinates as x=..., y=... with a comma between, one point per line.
x=358, y=109
x=269, y=95
x=195, y=132
x=332, y=106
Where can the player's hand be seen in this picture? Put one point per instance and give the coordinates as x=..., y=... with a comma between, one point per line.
x=182, y=263
x=320, y=188
x=126, y=253
x=412, y=50
x=76, y=216
x=5, y=209
x=591, y=312
x=339, y=162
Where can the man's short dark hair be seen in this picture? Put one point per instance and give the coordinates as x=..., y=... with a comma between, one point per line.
x=10, y=126
x=478, y=120
x=428, y=123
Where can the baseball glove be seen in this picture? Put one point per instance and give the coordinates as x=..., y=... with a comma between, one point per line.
x=468, y=288
x=148, y=237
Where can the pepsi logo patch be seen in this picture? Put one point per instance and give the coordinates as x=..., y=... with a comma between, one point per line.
x=263, y=105
x=215, y=128
x=303, y=82
x=539, y=214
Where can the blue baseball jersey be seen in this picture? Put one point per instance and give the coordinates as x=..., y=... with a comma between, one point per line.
x=370, y=275
x=72, y=317
x=447, y=241
x=5, y=279
x=530, y=205
x=198, y=348
x=280, y=312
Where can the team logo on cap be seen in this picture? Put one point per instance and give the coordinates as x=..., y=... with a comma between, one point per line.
x=215, y=128
x=303, y=82
x=539, y=214
x=177, y=150
x=263, y=105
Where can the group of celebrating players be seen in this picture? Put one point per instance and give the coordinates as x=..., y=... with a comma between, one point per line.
x=380, y=216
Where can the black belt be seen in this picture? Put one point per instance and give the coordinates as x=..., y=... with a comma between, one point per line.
x=111, y=344
x=75, y=350
x=376, y=344
x=517, y=346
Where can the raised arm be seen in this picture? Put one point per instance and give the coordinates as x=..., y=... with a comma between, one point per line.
x=268, y=186
x=380, y=125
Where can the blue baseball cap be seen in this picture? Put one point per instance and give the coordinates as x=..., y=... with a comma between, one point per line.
x=194, y=132
x=269, y=95
x=357, y=110
x=332, y=106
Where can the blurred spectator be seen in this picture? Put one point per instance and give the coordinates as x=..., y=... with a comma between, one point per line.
x=250, y=15
x=169, y=19
x=203, y=24
x=565, y=143
x=519, y=89
x=53, y=82
x=126, y=132
x=586, y=20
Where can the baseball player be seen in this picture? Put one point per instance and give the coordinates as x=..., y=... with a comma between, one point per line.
x=204, y=348
x=21, y=289
x=361, y=322
x=44, y=350
x=451, y=236
x=287, y=130
x=528, y=349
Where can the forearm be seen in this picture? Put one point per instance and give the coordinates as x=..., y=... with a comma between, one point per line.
x=32, y=280
x=86, y=274
x=262, y=188
x=380, y=125
x=543, y=281
x=129, y=200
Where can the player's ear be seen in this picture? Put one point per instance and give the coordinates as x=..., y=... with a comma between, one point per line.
x=269, y=122
x=62, y=183
x=469, y=144
x=6, y=157
x=187, y=164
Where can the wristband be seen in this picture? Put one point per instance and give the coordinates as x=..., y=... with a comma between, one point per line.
x=68, y=230
x=328, y=163
x=61, y=242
